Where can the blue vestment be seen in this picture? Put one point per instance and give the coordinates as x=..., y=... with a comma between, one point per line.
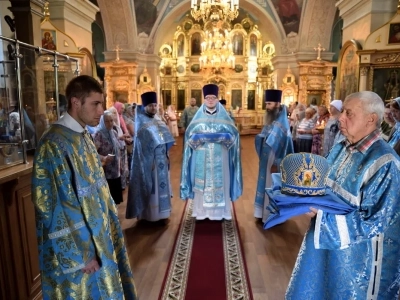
x=395, y=136
x=152, y=142
x=77, y=221
x=206, y=138
x=275, y=141
x=356, y=255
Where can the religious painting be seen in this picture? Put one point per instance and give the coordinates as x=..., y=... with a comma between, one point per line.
x=348, y=70
x=236, y=98
x=181, y=45
x=289, y=12
x=237, y=44
x=181, y=99
x=49, y=39
x=196, y=44
x=146, y=13
x=168, y=70
x=394, y=33
x=198, y=95
x=251, y=100
x=316, y=97
x=167, y=98
x=253, y=45
x=386, y=82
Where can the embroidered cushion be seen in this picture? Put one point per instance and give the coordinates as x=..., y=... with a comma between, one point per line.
x=304, y=174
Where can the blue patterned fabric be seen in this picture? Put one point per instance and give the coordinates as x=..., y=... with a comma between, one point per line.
x=356, y=255
x=395, y=136
x=278, y=139
x=304, y=174
x=202, y=163
x=77, y=221
x=152, y=142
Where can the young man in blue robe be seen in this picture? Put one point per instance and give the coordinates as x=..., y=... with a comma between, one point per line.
x=356, y=255
x=211, y=165
x=82, y=253
x=149, y=195
x=272, y=145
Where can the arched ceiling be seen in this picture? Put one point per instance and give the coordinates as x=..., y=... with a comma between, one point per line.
x=157, y=21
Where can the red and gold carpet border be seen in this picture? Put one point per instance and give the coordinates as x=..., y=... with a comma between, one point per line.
x=236, y=277
x=175, y=282
x=237, y=283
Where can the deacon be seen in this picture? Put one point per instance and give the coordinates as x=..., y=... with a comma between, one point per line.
x=272, y=145
x=149, y=194
x=211, y=167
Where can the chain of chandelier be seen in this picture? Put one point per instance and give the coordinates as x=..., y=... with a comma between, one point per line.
x=216, y=48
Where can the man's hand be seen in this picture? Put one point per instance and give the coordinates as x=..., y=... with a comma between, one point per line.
x=313, y=212
x=91, y=267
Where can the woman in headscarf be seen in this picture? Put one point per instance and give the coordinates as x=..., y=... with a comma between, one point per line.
x=122, y=140
x=120, y=109
x=128, y=118
x=108, y=148
x=394, y=139
x=172, y=121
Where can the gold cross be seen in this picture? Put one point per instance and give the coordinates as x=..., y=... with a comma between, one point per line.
x=117, y=49
x=319, y=49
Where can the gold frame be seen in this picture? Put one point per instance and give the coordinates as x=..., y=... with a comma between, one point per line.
x=344, y=64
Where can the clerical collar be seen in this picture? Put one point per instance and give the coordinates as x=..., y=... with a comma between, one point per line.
x=149, y=115
x=211, y=112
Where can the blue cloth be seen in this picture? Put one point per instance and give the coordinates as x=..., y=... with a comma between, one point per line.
x=283, y=206
x=151, y=134
x=278, y=139
x=355, y=255
x=204, y=139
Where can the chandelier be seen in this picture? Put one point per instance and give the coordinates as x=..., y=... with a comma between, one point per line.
x=217, y=50
x=215, y=10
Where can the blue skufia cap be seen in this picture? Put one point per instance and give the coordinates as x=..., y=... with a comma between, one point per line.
x=304, y=174
x=148, y=98
x=272, y=96
x=210, y=89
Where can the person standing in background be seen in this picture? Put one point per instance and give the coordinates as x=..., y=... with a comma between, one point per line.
x=188, y=114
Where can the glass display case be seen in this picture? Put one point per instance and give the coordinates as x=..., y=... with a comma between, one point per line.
x=32, y=95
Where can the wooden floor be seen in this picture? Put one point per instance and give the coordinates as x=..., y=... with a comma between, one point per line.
x=270, y=254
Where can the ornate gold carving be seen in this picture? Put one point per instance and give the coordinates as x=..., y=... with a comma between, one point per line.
x=388, y=58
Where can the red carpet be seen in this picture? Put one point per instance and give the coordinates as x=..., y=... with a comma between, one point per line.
x=206, y=262
x=207, y=269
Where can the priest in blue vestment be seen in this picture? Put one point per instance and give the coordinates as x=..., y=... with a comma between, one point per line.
x=82, y=253
x=149, y=194
x=211, y=165
x=355, y=255
x=272, y=145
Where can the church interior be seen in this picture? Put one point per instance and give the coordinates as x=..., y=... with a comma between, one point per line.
x=310, y=49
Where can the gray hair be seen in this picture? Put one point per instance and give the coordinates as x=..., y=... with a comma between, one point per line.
x=371, y=103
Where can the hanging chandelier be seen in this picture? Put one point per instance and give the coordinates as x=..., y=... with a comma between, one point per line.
x=217, y=50
x=215, y=10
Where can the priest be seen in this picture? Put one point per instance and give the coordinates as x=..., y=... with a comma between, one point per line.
x=272, y=145
x=211, y=167
x=149, y=194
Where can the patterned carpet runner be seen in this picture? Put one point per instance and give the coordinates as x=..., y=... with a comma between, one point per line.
x=207, y=262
